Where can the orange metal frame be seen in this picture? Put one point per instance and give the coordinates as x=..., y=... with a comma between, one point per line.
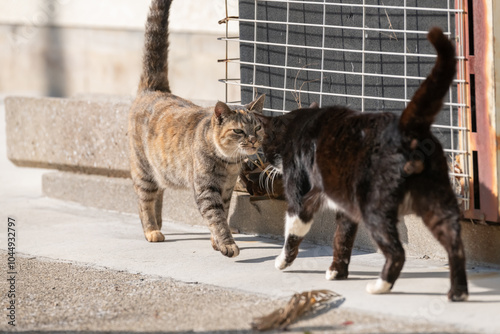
x=483, y=138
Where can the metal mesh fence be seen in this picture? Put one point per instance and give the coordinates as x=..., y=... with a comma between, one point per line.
x=370, y=55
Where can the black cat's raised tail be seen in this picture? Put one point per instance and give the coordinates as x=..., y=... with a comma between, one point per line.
x=155, y=61
x=427, y=101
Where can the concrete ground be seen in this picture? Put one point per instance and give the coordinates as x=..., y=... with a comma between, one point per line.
x=84, y=269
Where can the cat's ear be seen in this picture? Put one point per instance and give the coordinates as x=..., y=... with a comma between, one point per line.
x=221, y=109
x=257, y=105
x=314, y=105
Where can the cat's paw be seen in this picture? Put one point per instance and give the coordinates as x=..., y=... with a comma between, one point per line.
x=333, y=274
x=280, y=263
x=229, y=250
x=458, y=296
x=154, y=236
x=378, y=287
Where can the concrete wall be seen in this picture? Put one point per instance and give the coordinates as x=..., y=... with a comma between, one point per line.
x=68, y=47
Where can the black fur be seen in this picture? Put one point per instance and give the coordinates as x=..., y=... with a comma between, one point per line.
x=367, y=164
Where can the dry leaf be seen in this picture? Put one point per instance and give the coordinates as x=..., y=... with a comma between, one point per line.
x=299, y=305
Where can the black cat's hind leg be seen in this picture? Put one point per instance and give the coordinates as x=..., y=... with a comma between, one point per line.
x=298, y=221
x=343, y=242
x=295, y=231
x=384, y=231
x=441, y=215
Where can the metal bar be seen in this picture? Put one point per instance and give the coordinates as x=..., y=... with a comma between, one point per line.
x=255, y=46
x=226, y=65
x=300, y=24
x=286, y=56
x=485, y=143
x=232, y=82
x=335, y=71
x=367, y=6
x=407, y=54
x=363, y=31
x=322, y=55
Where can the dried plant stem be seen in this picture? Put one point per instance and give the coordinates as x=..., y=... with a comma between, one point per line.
x=299, y=305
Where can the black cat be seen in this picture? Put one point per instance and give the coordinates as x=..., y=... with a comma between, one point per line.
x=370, y=167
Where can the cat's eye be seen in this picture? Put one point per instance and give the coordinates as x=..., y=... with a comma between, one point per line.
x=238, y=131
x=258, y=127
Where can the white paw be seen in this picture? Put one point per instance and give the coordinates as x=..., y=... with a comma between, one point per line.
x=331, y=274
x=378, y=287
x=280, y=262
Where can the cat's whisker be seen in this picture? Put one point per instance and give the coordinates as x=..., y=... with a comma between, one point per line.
x=276, y=173
x=269, y=184
x=268, y=180
x=263, y=175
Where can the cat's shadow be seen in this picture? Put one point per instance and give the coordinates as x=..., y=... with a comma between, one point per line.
x=322, y=273
x=257, y=260
x=196, y=236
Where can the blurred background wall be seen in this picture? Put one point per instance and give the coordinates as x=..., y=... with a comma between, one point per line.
x=74, y=47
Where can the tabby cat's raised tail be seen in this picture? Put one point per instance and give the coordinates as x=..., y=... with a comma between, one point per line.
x=427, y=101
x=155, y=61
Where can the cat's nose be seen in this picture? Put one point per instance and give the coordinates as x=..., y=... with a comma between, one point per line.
x=252, y=139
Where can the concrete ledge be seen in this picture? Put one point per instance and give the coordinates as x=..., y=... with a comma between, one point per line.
x=260, y=217
x=80, y=135
x=263, y=217
x=117, y=194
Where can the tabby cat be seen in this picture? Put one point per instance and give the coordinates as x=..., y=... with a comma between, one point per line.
x=370, y=167
x=177, y=144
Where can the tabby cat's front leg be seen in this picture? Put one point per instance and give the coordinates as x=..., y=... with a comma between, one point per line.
x=212, y=206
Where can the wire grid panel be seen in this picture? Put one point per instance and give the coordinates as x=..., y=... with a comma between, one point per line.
x=370, y=55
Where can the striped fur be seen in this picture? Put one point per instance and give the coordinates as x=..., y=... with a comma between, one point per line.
x=177, y=144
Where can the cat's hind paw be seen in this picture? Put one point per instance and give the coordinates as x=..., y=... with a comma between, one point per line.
x=334, y=275
x=378, y=287
x=331, y=274
x=280, y=263
x=154, y=236
x=457, y=296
